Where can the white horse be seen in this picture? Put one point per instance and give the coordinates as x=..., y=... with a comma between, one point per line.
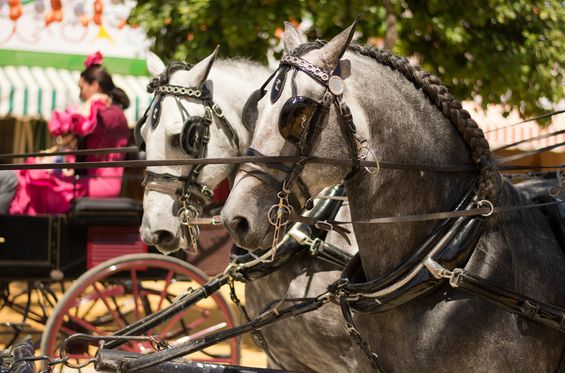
x=312, y=342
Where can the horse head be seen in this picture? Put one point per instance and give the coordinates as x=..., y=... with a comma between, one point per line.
x=194, y=114
x=291, y=106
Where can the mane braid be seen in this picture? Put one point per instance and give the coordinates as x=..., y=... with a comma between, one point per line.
x=165, y=76
x=438, y=94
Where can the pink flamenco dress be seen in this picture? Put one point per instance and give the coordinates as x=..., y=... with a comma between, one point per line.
x=52, y=191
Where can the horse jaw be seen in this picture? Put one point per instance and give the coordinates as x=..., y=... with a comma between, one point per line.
x=159, y=226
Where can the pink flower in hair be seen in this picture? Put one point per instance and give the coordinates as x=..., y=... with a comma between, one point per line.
x=93, y=59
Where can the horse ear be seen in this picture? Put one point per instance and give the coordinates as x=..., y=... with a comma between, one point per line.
x=331, y=53
x=154, y=64
x=201, y=70
x=292, y=37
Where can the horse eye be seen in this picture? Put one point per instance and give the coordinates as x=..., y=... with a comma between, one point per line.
x=175, y=141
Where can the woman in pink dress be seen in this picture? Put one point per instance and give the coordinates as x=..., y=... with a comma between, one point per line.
x=99, y=122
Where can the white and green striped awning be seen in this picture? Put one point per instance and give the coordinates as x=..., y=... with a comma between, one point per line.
x=37, y=91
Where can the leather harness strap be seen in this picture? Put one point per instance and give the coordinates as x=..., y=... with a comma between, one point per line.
x=479, y=211
x=542, y=313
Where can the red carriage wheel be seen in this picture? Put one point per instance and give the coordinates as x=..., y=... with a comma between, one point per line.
x=123, y=290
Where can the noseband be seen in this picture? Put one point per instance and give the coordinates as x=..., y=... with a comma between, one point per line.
x=193, y=140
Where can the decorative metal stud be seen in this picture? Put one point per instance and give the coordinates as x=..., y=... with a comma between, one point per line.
x=335, y=85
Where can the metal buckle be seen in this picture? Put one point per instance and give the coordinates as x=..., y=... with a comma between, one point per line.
x=530, y=309
x=207, y=191
x=456, y=278
x=324, y=225
x=315, y=246
x=218, y=111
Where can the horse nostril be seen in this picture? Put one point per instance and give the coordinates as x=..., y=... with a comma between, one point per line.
x=162, y=237
x=240, y=225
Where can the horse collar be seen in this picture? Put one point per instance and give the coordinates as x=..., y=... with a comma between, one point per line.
x=451, y=245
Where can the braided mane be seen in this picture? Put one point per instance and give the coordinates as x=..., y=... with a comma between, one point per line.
x=438, y=94
x=451, y=108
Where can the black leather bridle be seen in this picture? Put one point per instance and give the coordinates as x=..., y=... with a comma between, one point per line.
x=309, y=134
x=193, y=140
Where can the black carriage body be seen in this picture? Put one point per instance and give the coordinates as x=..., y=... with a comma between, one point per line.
x=55, y=247
x=30, y=246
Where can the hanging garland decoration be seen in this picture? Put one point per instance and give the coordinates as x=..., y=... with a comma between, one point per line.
x=56, y=13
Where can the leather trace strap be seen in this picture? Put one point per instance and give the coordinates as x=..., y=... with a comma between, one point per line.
x=485, y=208
x=542, y=313
x=356, y=335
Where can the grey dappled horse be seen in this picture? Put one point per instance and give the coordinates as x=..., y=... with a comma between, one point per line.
x=395, y=108
x=313, y=342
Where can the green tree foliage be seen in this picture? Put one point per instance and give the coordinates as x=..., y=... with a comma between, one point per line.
x=508, y=52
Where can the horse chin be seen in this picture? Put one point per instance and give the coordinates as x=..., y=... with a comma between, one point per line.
x=256, y=243
x=170, y=248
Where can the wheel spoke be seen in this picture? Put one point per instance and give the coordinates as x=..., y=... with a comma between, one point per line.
x=118, y=320
x=85, y=324
x=201, y=333
x=163, y=294
x=134, y=285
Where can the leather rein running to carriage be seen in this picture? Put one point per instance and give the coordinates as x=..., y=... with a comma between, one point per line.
x=193, y=141
x=440, y=258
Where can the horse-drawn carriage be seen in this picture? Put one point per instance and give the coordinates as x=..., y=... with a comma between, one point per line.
x=416, y=289
x=89, y=272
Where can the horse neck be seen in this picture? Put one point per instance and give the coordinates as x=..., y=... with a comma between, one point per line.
x=403, y=127
x=234, y=81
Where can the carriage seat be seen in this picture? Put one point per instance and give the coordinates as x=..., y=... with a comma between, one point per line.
x=107, y=211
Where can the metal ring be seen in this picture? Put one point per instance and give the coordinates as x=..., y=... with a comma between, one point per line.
x=364, y=157
x=273, y=213
x=488, y=203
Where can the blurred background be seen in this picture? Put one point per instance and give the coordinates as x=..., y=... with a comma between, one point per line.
x=504, y=59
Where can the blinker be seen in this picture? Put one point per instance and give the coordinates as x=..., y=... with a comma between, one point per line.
x=296, y=117
x=192, y=136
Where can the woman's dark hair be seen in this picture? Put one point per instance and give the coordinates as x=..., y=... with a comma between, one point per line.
x=96, y=73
